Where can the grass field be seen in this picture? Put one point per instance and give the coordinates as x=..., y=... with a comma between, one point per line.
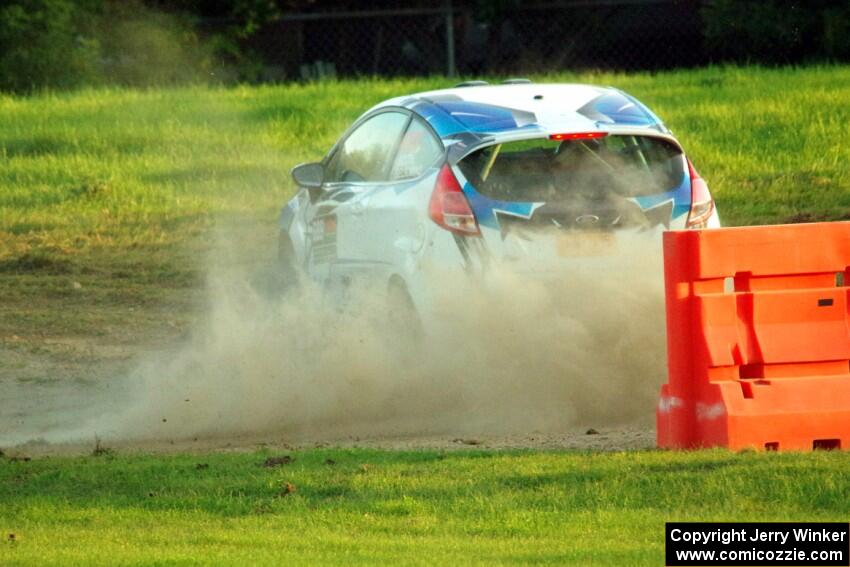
x=365, y=507
x=138, y=168
x=108, y=199
x=115, y=190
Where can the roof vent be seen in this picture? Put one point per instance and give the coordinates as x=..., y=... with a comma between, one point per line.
x=516, y=81
x=471, y=84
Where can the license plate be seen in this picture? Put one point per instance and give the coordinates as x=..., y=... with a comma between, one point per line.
x=583, y=244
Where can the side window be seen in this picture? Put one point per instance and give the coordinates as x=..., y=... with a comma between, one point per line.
x=419, y=150
x=365, y=154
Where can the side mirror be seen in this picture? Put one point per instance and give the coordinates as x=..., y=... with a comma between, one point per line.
x=309, y=175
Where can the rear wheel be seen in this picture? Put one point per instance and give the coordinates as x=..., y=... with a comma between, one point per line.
x=403, y=319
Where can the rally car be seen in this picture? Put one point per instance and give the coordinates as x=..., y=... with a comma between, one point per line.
x=464, y=178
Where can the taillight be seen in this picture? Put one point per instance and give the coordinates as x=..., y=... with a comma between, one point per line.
x=578, y=136
x=449, y=207
x=702, y=205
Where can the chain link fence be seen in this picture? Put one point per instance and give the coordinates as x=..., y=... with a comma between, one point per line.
x=452, y=39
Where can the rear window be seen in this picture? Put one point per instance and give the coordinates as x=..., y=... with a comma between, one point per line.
x=547, y=170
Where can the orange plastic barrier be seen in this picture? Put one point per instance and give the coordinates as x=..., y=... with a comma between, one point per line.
x=758, y=338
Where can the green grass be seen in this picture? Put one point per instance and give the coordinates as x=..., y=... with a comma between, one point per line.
x=146, y=167
x=422, y=507
x=118, y=189
x=107, y=200
x=137, y=168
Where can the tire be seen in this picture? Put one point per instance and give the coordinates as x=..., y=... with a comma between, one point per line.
x=403, y=319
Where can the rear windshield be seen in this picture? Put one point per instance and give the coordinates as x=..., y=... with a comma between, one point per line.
x=546, y=170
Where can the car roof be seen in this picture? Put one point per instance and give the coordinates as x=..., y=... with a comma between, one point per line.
x=527, y=110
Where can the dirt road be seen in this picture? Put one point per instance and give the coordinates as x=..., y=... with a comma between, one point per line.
x=60, y=386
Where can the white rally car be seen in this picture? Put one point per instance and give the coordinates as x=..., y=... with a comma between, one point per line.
x=466, y=177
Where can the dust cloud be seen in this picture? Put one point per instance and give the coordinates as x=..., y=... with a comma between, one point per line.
x=509, y=353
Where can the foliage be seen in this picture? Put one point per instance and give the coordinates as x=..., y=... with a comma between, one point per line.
x=143, y=47
x=777, y=31
x=59, y=44
x=43, y=44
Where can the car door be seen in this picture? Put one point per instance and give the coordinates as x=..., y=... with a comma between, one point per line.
x=357, y=167
x=397, y=216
